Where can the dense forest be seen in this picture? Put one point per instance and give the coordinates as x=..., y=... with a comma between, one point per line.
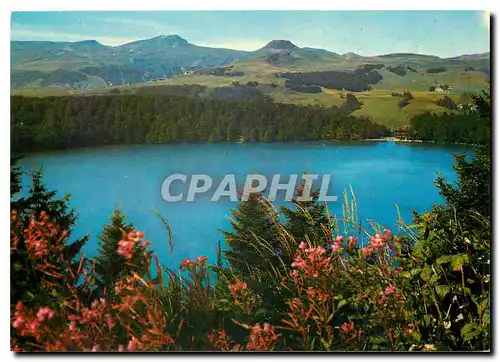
x=472, y=127
x=451, y=128
x=359, y=80
x=62, y=122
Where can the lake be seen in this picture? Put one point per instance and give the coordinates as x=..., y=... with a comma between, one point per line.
x=382, y=175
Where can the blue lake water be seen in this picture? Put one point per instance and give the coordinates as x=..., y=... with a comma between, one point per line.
x=382, y=175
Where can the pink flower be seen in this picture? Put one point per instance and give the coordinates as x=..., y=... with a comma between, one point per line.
x=367, y=251
x=335, y=247
x=121, y=348
x=135, y=235
x=347, y=327
x=126, y=248
x=302, y=245
x=44, y=313
x=237, y=287
x=145, y=244
x=18, y=322
x=352, y=241
x=294, y=273
x=110, y=321
x=340, y=239
x=377, y=241
x=389, y=290
x=201, y=259
x=186, y=263
x=96, y=348
x=134, y=344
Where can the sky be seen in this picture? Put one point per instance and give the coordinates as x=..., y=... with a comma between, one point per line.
x=441, y=33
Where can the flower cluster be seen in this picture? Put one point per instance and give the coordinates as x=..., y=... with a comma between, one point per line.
x=27, y=322
x=237, y=288
x=42, y=235
x=221, y=342
x=337, y=244
x=312, y=261
x=377, y=242
x=127, y=246
x=189, y=264
x=390, y=290
x=262, y=338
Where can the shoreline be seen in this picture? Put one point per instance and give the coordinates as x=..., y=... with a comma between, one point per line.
x=392, y=139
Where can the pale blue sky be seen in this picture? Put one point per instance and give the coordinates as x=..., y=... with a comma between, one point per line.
x=442, y=33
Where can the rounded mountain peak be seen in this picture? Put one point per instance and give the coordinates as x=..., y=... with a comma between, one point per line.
x=173, y=39
x=281, y=44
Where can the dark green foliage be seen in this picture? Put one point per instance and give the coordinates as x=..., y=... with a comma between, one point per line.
x=116, y=75
x=472, y=193
x=453, y=255
x=240, y=93
x=436, y=70
x=184, y=90
x=483, y=103
x=302, y=88
x=357, y=81
x=399, y=70
x=403, y=103
x=407, y=95
x=451, y=128
x=464, y=127
x=251, y=225
x=218, y=71
x=109, y=265
x=23, y=78
x=26, y=281
x=63, y=77
x=405, y=98
x=62, y=122
x=373, y=66
x=15, y=176
x=58, y=77
x=257, y=250
x=351, y=104
x=447, y=102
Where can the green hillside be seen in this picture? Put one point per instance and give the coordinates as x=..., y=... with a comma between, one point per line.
x=280, y=70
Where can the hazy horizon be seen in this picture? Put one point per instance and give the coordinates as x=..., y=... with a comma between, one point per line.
x=368, y=33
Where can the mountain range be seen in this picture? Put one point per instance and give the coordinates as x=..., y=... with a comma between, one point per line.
x=88, y=64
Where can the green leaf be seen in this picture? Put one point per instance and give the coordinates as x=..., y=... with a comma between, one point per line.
x=342, y=303
x=434, y=279
x=444, y=259
x=442, y=290
x=406, y=274
x=415, y=271
x=470, y=331
x=426, y=273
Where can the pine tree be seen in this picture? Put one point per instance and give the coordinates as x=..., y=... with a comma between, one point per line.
x=28, y=284
x=251, y=227
x=109, y=265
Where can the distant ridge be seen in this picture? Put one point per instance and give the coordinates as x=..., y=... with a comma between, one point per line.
x=88, y=64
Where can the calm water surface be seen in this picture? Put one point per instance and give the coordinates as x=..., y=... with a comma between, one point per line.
x=130, y=177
